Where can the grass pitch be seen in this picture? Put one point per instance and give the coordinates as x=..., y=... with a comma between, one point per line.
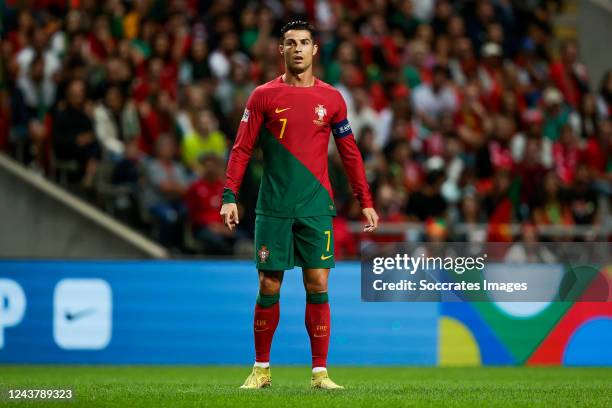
x=185, y=386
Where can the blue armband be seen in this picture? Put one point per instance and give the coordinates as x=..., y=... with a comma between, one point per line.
x=341, y=129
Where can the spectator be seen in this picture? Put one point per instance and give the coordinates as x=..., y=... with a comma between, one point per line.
x=362, y=115
x=566, y=154
x=19, y=37
x=127, y=172
x=598, y=153
x=473, y=123
x=454, y=167
x=203, y=199
x=443, y=10
x=584, y=120
x=532, y=71
x=550, y=206
x=73, y=134
x=490, y=74
x=404, y=18
x=238, y=83
x=604, y=99
x=428, y=202
x=38, y=45
x=432, y=101
x=500, y=206
x=499, y=148
x=31, y=99
x=531, y=172
x=583, y=199
x=115, y=122
x=390, y=202
x=407, y=172
x=38, y=89
x=471, y=216
x=127, y=178
x=166, y=183
x=569, y=75
x=463, y=64
x=556, y=113
x=204, y=139
x=195, y=67
x=221, y=59
x=195, y=99
x=532, y=123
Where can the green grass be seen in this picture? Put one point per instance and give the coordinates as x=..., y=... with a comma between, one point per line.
x=172, y=386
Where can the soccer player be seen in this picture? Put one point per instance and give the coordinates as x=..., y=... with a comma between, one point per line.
x=291, y=118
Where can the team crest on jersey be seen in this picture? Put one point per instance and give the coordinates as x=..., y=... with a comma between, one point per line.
x=263, y=254
x=321, y=112
x=245, y=115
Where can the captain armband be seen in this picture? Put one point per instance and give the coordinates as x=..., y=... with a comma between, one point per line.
x=341, y=129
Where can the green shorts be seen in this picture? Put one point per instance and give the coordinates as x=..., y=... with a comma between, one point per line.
x=283, y=243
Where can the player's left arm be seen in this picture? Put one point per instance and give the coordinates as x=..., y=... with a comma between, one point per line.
x=353, y=164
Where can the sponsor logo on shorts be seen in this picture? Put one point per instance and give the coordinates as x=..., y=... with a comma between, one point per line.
x=324, y=257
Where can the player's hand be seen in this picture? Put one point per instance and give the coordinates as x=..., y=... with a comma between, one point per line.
x=372, y=218
x=229, y=213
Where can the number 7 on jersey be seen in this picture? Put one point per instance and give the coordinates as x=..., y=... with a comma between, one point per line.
x=284, y=122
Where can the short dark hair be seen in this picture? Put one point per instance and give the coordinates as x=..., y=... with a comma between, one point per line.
x=297, y=25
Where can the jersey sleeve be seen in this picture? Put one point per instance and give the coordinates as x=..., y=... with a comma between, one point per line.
x=246, y=138
x=350, y=155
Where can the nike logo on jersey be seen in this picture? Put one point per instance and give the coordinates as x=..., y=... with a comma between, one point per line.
x=323, y=257
x=280, y=110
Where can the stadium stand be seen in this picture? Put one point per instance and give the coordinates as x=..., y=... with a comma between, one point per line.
x=472, y=121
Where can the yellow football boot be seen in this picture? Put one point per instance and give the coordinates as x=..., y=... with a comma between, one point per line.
x=259, y=378
x=322, y=381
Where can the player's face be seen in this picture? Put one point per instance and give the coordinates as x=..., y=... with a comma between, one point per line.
x=298, y=49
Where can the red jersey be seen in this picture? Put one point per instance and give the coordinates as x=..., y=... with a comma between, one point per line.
x=203, y=199
x=292, y=126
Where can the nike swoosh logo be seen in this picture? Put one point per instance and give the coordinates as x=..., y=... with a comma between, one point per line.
x=280, y=110
x=78, y=315
x=323, y=257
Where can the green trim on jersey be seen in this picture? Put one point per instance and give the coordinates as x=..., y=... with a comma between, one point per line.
x=228, y=196
x=288, y=188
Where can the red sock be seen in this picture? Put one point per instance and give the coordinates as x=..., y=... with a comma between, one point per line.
x=318, y=327
x=266, y=320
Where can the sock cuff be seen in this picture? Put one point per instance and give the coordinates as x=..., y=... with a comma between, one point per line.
x=267, y=300
x=317, y=298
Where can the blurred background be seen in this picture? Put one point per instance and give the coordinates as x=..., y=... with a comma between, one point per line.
x=478, y=121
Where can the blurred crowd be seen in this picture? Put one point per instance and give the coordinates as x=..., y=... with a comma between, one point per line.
x=465, y=112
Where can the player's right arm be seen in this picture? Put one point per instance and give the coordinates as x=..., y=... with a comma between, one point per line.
x=240, y=155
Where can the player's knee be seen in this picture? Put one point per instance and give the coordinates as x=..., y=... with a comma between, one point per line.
x=268, y=284
x=316, y=284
